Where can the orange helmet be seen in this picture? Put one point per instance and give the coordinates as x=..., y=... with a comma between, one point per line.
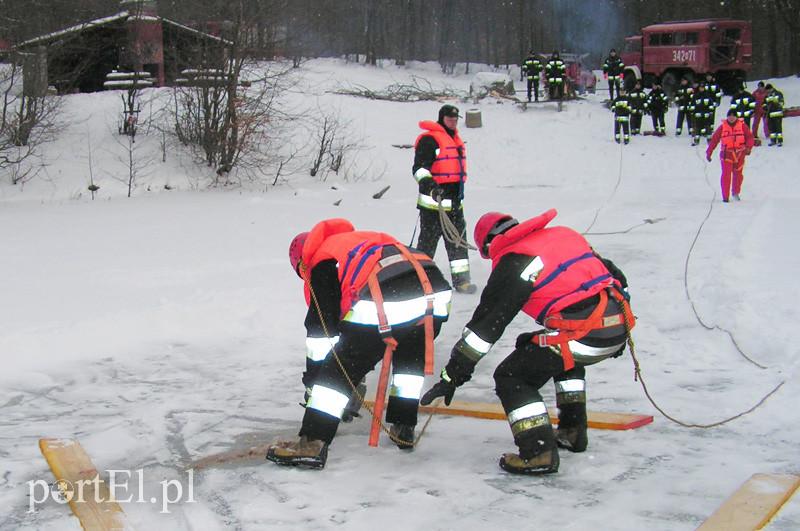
x=296, y=251
x=490, y=225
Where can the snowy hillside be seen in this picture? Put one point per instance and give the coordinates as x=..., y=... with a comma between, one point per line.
x=169, y=326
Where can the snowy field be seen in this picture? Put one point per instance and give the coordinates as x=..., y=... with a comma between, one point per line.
x=167, y=327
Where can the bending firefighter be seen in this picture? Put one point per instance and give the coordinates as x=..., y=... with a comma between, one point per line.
x=554, y=276
x=440, y=168
x=369, y=298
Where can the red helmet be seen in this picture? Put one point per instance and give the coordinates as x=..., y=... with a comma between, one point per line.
x=296, y=250
x=490, y=225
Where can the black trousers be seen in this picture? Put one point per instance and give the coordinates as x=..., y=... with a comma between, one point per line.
x=626, y=130
x=747, y=120
x=636, y=123
x=556, y=90
x=701, y=126
x=658, y=122
x=526, y=370
x=775, y=129
x=612, y=84
x=681, y=116
x=359, y=349
x=533, y=84
x=430, y=231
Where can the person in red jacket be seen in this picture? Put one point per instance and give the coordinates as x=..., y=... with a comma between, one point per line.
x=366, y=293
x=760, y=94
x=578, y=299
x=737, y=142
x=440, y=168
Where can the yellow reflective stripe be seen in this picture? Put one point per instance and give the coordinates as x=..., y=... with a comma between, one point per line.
x=475, y=342
x=527, y=411
x=429, y=202
x=570, y=386
x=397, y=312
x=317, y=348
x=407, y=386
x=422, y=173
x=459, y=266
x=327, y=400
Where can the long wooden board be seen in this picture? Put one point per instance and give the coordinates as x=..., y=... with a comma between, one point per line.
x=755, y=503
x=597, y=419
x=70, y=464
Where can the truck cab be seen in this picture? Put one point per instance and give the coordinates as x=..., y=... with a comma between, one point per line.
x=690, y=49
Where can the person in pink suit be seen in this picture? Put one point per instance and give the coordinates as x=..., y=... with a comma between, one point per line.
x=760, y=94
x=737, y=141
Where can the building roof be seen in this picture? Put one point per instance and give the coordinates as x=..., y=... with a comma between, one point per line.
x=122, y=16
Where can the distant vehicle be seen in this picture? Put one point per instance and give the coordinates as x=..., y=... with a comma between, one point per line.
x=690, y=49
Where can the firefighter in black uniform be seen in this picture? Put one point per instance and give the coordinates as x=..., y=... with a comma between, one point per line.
x=613, y=69
x=440, y=168
x=714, y=91
x=702, y=111
x=622, y=117
x=683, y=100
x=773, y=105
x=532, y=68
x=580, y=299
x=744, y=103
x=637, y=99
x=657, y=104
x=364, y=290
x=555, y=70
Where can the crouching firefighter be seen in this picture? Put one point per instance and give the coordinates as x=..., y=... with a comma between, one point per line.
x=580, y=300
x=369, y=298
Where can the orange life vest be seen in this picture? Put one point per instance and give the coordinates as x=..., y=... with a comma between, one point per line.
x=450, y=165
x=356, y=252
x=733, y=135
x=570, y=270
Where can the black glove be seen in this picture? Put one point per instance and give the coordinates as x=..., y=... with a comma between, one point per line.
x=524, y=339
x=442, y=388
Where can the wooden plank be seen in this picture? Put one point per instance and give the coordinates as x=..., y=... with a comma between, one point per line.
x=70, y=465
x=755, y=503
x=597, y=419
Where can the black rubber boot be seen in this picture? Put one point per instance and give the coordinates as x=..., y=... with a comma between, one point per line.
x=572, y=422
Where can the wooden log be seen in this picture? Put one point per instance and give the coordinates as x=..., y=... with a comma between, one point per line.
x=754, y=504
x=597, y=419
x=79, y=482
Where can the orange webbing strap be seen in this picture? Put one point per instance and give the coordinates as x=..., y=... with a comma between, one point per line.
x=575, y=329
x=391, y=343
x=427, y=289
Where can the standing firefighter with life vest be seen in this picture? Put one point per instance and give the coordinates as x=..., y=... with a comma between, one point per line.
x=440, y=168
x=532, y=68
x=613, y=69
x=554, y=276
x=369, y=297
x=737, y=141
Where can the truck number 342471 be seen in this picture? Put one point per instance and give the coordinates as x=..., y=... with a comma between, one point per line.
x=684, y=56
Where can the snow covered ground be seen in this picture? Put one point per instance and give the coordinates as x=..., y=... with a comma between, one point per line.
x=166, y=327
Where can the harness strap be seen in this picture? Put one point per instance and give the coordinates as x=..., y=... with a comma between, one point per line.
x=576, y=329
x=385, y=330
x=391, y=344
